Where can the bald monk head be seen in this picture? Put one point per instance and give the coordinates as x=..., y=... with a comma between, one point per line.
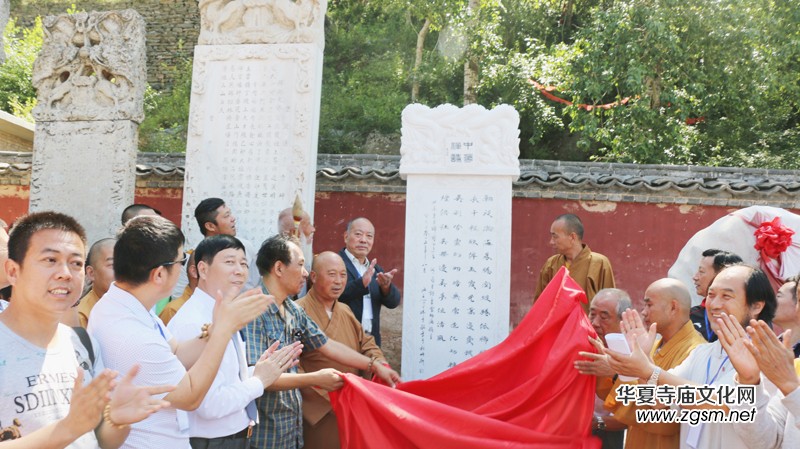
x=329, y=277
x=286, y=224
x=667, y=302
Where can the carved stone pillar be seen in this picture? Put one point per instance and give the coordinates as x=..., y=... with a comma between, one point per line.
x=90, y=78
x=254, y=116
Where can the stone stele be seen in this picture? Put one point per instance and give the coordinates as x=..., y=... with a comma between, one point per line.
x=254, y=116
x=90, y=78
x=4, y=13
x=261, y=21
x=459, y=164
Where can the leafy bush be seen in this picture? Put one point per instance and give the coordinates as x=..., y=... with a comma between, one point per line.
x=165, y=126
x=22, y=45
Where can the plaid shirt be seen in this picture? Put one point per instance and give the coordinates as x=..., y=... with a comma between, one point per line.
x=280, y=413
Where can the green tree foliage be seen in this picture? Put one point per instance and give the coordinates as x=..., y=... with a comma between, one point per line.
x=166, y=114
x=711, y=63
x=712, y=83
x=17, y=95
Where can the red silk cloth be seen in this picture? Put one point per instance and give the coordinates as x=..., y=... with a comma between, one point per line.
x=545, y=90
x=522, y=393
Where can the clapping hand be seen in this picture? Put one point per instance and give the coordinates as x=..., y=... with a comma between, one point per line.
x=774, y=358
x=131, y=403
x=385, y=280
x=274, y=362
x=232, y=314
x=87, y=403
x=734, y=340
x=633, y=328
x=637, y=364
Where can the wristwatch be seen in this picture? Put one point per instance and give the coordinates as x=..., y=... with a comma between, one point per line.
x=599, y=424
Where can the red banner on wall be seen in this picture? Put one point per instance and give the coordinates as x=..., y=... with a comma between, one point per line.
x=523, y=393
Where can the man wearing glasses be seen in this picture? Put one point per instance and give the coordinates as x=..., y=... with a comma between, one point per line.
x=148, y=257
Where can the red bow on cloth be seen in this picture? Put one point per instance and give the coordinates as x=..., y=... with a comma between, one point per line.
x=772, y=239
x=521, y=394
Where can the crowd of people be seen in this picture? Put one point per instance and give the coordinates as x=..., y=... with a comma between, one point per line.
x=729, y=339
x=226, y=362
x=228, y=346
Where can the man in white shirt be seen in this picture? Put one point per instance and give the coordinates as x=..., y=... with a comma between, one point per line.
x=769, y=365
x=225, y=418
x=43, y=364
x=147, y=259
x=740, y=292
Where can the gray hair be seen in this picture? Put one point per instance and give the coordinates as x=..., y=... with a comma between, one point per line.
x=621, y=296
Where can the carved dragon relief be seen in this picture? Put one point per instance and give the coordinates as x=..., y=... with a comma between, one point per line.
x=91, y=67
x=261, y=21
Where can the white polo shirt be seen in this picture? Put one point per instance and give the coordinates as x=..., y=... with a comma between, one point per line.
x=129, y=334
x=222, y=412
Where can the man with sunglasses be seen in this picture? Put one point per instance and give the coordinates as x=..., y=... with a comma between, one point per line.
x=148, y=256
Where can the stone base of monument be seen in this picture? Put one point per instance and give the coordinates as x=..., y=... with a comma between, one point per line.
x=392, y=335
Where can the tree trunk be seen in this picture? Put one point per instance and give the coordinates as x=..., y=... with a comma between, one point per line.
x=418, y=60
x=653, y=88
x=471, y=80
x=471, y=66
x=567, y=12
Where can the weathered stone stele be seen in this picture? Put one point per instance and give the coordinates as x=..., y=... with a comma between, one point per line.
x=261, y=21
x=5, y=7
x=459, y=164
x=90, y=77
x=254, y=115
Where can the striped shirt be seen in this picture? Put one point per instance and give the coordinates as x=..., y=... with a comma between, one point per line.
x=280, y=413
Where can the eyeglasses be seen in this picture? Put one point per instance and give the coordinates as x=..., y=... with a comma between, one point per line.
x=180, y=261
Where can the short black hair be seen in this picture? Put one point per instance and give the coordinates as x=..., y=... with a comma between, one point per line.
x=796, y=281
x=145, y=243
x=573, y=224
x=133, y=211
x=19, y=239
x=274, y=249
x=211, y=246
x=206, y=212
x=758, y=288
x=722, y=259
x=94, y=249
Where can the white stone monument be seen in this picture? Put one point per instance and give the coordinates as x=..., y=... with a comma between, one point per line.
x=5, y=8
x=254, y=115
x=459, y=164
x=90, y=77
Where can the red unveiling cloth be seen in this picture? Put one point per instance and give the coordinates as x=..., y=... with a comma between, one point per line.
x=523, y=393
